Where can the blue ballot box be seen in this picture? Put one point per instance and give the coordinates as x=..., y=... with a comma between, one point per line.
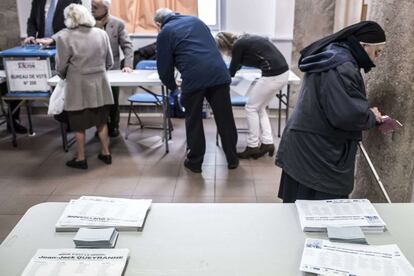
x=27, y=70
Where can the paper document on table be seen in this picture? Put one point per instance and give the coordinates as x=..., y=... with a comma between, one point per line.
x=96, y=238
x=342, y=259
x=154, y=76
x=79, y=262
x=317, y=215
x=101, y=212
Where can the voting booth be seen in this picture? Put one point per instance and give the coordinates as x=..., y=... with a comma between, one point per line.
x=27, y=69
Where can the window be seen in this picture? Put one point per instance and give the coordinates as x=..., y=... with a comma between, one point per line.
x=138, y=14
x=209, y=12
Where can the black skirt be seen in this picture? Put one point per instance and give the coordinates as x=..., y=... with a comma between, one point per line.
x=87, y=118
x=290, y=190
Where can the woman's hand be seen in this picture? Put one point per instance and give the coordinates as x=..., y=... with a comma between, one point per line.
x=378, y=116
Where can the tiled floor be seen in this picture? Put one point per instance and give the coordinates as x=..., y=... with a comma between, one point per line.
x=35, y=171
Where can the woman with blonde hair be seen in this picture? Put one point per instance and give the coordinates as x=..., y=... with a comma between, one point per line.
x=259, y=52
x=83, y=56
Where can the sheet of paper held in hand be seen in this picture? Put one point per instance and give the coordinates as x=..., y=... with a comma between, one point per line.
x=323, y=257
x=79, y=262
x=98, y=212
x=243, y=82
x=317, y=215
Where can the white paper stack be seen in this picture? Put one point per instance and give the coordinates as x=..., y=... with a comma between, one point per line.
x=79, y=262
x=343, y=259
x=103, y=212
x=96, y=238
x=317, y=215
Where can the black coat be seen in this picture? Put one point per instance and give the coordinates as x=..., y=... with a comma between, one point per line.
x=36, y=21
x=320, y=141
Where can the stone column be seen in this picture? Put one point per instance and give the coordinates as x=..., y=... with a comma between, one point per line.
x=9, y=24
x=390, y=86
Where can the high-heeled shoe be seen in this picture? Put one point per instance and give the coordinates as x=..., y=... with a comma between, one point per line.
x=267, y=148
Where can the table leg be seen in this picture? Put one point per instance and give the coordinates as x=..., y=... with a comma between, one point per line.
x=164, y=121
x=287, y=102
x=29, y=117
x=64, y=136
x=13, y=131
x=279, y=117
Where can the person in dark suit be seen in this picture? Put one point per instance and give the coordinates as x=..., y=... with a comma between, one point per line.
x=46, y=18
x=186, y=43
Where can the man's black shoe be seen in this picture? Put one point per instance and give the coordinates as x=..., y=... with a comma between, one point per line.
x=81, y=164
x=234, y=165
x=113, y=132
x=191, y=167
x=107, y=159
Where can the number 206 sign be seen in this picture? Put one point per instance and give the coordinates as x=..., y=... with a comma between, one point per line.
x=27, y=75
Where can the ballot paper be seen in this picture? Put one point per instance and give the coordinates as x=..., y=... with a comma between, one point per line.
x=242, y=83
x=154, y=76
x=317, y=215
x=79, y=262
x=351, y=234
x=96, y=238
x=323, y=257
x=102, y=212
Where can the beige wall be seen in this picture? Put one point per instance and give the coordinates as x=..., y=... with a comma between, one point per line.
x=9, y=24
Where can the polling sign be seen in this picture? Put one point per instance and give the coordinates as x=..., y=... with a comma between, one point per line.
x=28, y=75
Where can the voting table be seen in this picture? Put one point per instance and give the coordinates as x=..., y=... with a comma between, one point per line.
x=145, y=78
x=3, y=111
x=202, y=239
x=27, y=69
x=138, y=78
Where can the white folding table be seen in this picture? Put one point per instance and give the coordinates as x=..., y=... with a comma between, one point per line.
x=138, y=78
x=202, y=239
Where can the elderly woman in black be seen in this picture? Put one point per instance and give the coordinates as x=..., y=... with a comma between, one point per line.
x=319, y=144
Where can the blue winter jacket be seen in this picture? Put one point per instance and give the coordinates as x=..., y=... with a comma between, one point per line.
x=186, y=43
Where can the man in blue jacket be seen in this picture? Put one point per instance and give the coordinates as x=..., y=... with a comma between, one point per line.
x=186, y=43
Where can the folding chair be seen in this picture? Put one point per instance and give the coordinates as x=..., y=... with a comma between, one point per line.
x=148, y=98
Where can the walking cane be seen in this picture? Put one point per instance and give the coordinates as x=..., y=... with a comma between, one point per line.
x=374, y=171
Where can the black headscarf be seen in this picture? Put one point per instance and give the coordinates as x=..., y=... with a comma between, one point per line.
x=365, y=31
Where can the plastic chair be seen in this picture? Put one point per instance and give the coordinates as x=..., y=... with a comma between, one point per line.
x=148, y=98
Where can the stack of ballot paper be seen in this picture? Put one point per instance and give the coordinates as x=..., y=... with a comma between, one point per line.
x=351, y=234
x=343, y=259
x=79, y=262
x=96, y=238
x=317, y=215
x=103, y=212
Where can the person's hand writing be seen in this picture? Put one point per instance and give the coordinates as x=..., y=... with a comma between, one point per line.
x=378, y=116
